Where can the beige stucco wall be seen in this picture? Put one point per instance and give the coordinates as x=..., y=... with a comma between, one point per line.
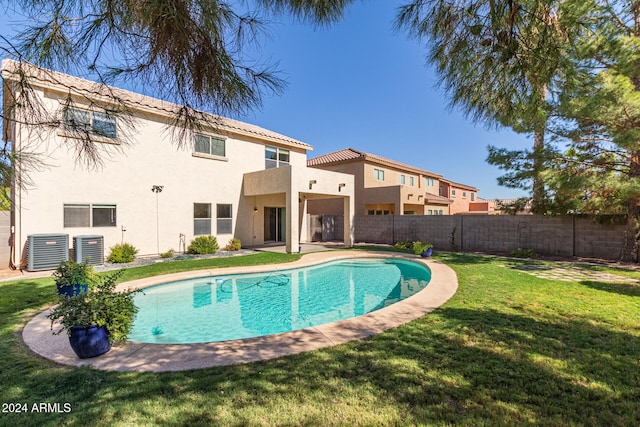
x=297, y=186
x=126, y=178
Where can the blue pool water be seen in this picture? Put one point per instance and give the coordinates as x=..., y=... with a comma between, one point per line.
x=240, y=306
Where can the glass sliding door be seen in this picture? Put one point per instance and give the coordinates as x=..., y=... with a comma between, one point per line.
x=275, y=221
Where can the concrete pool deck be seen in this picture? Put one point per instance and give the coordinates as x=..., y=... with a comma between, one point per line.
x=144, y=357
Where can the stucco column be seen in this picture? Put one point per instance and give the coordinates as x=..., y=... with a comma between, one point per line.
x=348, y=234
x=293, y=228
x=304, y=222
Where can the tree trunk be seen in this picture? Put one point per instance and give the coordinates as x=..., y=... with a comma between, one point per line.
x=631, y=246
x=537, y=204
x=539, y=127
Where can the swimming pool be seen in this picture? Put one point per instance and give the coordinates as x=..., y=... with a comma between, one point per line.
x=222, y=308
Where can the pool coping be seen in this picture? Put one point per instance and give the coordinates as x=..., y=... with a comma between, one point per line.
x=143, y=357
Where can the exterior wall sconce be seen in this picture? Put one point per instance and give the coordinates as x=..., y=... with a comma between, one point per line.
x=311, y=182
x=341, y=185
x=255, y=209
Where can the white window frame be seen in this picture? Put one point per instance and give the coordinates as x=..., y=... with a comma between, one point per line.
x=224, y=224
x=80, y=120
x=201, y=220
x=208, y=146
x=411, y=181
x=402, y=179
x=278, y=159
x=91, y=218
x=378, y=174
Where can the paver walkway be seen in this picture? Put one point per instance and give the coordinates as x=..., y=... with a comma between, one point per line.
x=571, y=273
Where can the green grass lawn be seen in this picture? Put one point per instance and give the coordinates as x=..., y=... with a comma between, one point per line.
x=508, y=348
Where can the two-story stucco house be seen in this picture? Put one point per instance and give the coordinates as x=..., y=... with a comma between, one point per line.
x=383, y=186
x=463, y=196
x=231, y=180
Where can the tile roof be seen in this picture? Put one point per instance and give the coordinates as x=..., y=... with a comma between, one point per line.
x=457, y=184
x=349, y=154
x=69, y=84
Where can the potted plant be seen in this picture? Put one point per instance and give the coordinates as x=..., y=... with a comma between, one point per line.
x=96, y=319
x=73, y=278
x=423, y=249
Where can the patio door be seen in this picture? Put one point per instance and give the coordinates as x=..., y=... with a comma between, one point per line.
x=275, y=220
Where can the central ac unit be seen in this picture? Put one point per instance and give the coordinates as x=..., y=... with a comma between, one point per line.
x=89, y=248
x=46, y=251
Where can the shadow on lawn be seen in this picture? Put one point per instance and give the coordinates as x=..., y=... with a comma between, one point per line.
x=632, y=290
x=457, y=366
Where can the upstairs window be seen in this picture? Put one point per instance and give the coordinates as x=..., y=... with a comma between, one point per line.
x=276, y=157
x=402, y=179
x=473, y=196
x=453, y=193
x=378, y=174
x=213, y=146
x=428, y=182
x=411, y=181
x=464, y=194
x=90, y=121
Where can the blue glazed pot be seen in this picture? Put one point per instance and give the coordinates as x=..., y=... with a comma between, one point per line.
x=89, y=341
x=71, y=290
x=426, y=253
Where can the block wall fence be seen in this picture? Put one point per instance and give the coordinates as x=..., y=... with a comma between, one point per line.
x=561, y=235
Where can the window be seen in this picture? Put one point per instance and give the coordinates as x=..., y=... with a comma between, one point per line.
x=473, y=196
x=440, y=212
x=378, y=174
x=98, y=123
x=77, y=216
x=464, y=194
x=411, y=181
x=430, y=212
x=225, y=219
x=401, y=179
x=453, y=193
x=428, y=182
x=201, y=218
x=104, y=215
x=209, y=145
x=371, y=212
x=275, y=157
x=86, y=215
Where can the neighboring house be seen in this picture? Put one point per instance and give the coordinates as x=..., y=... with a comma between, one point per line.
x=461, y=195
x=234, y=180
x=383, y=186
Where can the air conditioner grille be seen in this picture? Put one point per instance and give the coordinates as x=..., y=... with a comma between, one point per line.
x=46, y=251
x=89, y=248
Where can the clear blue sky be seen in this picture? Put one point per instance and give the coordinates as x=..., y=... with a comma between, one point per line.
x=360, y=84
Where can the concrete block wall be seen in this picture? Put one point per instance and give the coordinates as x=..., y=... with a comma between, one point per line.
x=560, y=235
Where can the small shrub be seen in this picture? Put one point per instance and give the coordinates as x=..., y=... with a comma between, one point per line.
x=404, y=245
x=523, y=253
x=452, y=240
x=168, y=254
x=121, y=253
x=419, y=247
x=203, y=245
x=233, y=245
